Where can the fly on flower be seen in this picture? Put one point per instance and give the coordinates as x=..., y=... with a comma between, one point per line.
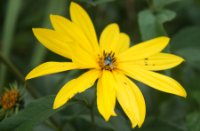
x=109, y=60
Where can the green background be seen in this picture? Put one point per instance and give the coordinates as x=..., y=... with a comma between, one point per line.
x=142, y=20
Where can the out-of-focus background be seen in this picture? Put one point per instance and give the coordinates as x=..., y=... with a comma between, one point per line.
x=142, y=20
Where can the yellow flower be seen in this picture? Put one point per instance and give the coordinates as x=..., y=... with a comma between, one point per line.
x=108, y=61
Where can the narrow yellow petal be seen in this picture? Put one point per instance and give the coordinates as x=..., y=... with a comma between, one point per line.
x=80, y=17
x=54, y=41
x=131, y=99
x=62, y=24
x=160, y=61
x=106, y=95
x=144, y=49
x=109, y=37
x=154, y=80
x=75, y=86
x=73, y=31
x=50, y=68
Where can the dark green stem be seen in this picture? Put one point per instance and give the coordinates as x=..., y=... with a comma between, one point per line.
x=14, y=69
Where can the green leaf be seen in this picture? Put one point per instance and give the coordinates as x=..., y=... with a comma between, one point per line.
x=151, y=24
x=173, y=110
x=191, y=56
x=193, y=121
x=165, y=16
x=35, y=113
x=162, y=3
x=186, y=38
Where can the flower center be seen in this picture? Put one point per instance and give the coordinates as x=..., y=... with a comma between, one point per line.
x=9, y=99
x=108, y=61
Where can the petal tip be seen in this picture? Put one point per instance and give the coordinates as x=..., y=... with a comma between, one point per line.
x=133, y=125
x=26, y=78
x=52, y=16
x=73, y=4
x=115, y=25
x=55, y=106
x=165, y=37
x=140, y=124
x=184, y=95
x=114, y=113
x=35, y=30
x=182, y=60
x=107, y=118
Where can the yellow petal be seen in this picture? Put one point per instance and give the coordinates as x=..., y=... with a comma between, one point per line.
x=73, y=31
x=155, y=80
x=123, y=43
x=144, y=49
x=160, y=61
x=50, y=68
x=54, y=41
x=83, y=58
x=106, y=95
x=75, y=86
x=109, y=37
x=131, y=99
x=80, y=17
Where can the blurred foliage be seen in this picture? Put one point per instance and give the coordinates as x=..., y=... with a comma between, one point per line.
x=142, y=20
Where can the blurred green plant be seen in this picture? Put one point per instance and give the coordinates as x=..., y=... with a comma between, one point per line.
x=36, y=112
x=154, y=18
x=13, y=10
x=95, y=2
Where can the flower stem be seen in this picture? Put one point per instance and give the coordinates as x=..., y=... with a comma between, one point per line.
x=20, y=76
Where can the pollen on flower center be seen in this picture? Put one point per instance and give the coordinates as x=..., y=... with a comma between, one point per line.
x=107, y=61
